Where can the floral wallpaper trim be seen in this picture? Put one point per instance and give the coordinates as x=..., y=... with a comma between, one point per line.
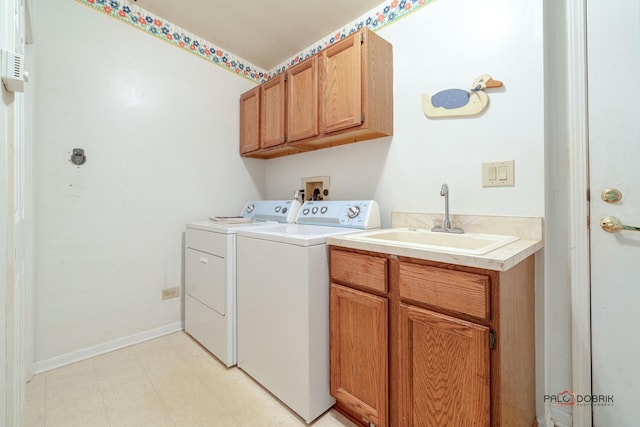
x=176, y=36
x=377, y=18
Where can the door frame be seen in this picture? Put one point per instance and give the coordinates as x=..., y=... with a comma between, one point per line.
x=579, y=189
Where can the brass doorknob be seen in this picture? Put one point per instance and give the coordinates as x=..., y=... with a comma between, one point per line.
x=611, y=224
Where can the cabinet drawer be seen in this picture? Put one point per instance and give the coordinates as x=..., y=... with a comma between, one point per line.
x=459, y=291
x=209, y=242
x=365, y=271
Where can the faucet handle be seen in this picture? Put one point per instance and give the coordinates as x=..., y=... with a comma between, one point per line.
x=456, y=227
x=438, y=225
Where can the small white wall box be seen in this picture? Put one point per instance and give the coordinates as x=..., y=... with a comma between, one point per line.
x=12, y=70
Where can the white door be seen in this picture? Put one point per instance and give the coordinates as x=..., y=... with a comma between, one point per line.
x=613, y=38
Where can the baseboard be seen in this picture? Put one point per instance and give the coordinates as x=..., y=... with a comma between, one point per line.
x=561, y=416
x=96, y=350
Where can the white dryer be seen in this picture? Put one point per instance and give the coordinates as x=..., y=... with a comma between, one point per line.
x=283, y=301
x=210, y=273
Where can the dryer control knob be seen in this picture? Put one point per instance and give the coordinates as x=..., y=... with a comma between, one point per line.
x=250, y=208
x=353, y=211
x=314, y=210
x=305, y=211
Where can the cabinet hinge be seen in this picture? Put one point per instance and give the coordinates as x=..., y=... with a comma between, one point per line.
x=361, y=37
x=362, y=117
x=286, y=77
x=492, y=340
x=588, y=222
x=286, y=137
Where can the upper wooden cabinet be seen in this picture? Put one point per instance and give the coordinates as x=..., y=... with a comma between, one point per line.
x=342, y=95
x=250, y=121
x=342, y=88
x=263, y=121
x=272, y=112
x=302, y=100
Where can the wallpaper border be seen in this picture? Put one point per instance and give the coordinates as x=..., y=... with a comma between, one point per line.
x=379, y=17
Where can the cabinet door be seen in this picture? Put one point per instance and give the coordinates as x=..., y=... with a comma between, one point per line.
x=272, y=112
x=250, y=121
x=358, y=331
x=302, y=100
x=341, y=85
x=444, y=370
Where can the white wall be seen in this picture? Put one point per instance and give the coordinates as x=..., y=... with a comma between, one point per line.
x=447, y=45
x=160, y=131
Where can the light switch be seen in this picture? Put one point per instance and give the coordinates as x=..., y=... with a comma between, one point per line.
x=492, y=173
x=502, y=173
x=498, y=174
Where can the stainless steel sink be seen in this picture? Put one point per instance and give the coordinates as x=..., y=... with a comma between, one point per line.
x=468, y=243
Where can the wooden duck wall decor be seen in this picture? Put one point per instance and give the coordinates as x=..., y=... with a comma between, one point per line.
x=460, y=102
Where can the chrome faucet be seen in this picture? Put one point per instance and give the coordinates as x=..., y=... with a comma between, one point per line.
x=446, y=226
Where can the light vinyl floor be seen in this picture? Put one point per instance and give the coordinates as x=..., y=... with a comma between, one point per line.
x=170, y=381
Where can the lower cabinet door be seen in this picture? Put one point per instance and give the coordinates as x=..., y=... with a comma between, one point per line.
x=444, y=368
x=359, y=362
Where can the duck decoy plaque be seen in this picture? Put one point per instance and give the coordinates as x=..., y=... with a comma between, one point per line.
x=460, y=102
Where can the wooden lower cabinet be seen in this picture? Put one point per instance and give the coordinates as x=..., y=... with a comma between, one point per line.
x=359, y=352
x=422, y=343
x=444, y=368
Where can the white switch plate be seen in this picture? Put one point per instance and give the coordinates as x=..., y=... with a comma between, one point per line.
x=492, y=176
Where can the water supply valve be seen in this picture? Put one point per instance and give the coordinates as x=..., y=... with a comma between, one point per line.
x=77, y=157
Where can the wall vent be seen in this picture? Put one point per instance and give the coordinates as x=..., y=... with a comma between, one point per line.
x=12, y=71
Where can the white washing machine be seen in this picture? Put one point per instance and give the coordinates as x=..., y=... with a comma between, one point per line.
x=283, y=301
x=210, y=273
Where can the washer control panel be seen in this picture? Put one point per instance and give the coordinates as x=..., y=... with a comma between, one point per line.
x=271, y=210
x=362, y=214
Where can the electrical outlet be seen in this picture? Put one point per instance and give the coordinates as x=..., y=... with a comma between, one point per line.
x=170, y=292
x=316, y=188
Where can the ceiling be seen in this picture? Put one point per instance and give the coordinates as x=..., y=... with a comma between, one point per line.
x=263, y=33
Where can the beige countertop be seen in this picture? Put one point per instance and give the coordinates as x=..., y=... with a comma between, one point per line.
x=529, y=231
